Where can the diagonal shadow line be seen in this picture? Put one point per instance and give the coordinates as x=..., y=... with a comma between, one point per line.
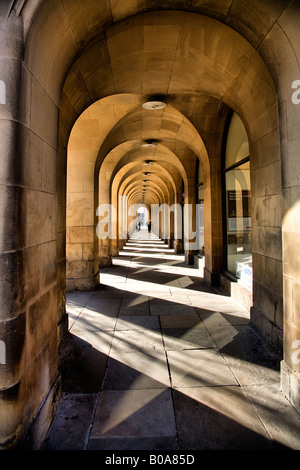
x=102, y=362
x=186, y=405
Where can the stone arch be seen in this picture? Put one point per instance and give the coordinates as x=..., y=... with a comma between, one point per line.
x=49, y=54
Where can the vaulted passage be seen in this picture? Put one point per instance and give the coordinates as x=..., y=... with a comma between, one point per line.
x=127, y=124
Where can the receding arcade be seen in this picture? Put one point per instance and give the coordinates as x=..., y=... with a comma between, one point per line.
x=82, y=139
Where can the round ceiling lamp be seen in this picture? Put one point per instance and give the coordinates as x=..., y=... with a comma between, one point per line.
x=149, y=144
x=152, y=105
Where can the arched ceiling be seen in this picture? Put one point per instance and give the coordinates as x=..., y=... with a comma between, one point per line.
x=116, y=131
x=196, y=65
x=99, y=61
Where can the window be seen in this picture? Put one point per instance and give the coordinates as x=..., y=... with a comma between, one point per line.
x=238, y=203
x=200, y=209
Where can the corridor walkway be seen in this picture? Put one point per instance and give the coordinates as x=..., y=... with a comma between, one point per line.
x=157, y=360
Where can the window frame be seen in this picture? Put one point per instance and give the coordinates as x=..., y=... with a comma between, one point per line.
x=232, y=276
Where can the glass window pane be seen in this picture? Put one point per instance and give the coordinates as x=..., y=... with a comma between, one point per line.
x=237, y=146
x=200, y=216
x=200, y=174
x=238, y=211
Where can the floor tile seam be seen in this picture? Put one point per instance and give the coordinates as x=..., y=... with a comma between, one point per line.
x=83, y=307
x=207, y=385
x=163, y=388
x=205, y=326
x=236, y=384
x=165, y=351
x=136, y=437
x=230, y=368
x=88, y=436
x=148, y=436
x=255, y=411
x=175, y=417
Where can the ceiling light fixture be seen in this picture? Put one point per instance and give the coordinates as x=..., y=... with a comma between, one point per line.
x=149, y=144
x=153, y=105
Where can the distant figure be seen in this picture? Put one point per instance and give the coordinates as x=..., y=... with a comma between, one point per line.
x=149, y=226
x=139, y=226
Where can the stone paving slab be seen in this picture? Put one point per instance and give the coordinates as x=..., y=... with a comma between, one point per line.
x=215, y=319
x=136, y=370
x=134, y=304
x=137, y=322
x=165, y=307
x=191, y=320
x=248, y=355
x=90, y=320
x=134, y=443
x=280, y=419
x=82, y=366
x=130, y=340
x=108, y=292
x=135, y=414
x=71, y=426
x=218, y=418
x=198, y=368
x=187, y=338
x=163, y=362
x=109, y=307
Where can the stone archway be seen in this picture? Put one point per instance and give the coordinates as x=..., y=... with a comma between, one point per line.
x=56, y=88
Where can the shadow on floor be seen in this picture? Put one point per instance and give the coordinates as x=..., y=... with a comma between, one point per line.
x=108, y=405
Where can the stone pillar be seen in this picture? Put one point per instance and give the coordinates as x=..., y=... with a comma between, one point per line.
x=190, y=228
x=28, y=289
x=122, y=235
x=106, y=229
x=12, y=315
x=213, y=235
x=172, y=228
x=178, y=241
x=290, y=366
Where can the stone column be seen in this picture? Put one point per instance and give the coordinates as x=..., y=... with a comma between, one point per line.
x=178, y=242
x=213, y=236
x=172, y=226
x=290, y=366
x=190, y=228
x=12, y=315
x=28, y=290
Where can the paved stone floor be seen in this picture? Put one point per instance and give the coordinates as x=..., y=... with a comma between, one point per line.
x=155, y=359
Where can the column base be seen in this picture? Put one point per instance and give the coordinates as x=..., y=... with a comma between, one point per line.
x=178, y=247
x=213, y=279
x=290, y=385
x=40, y=424
x=105, y=262
x=81, y=284
x=189, y=258
x=271, y=332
